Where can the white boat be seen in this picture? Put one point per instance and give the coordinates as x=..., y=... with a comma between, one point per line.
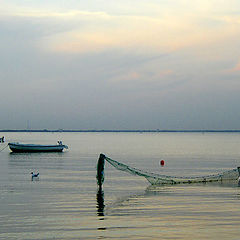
x=19, y=147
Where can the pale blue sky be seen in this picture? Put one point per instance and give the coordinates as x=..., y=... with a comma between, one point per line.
x=120, y=65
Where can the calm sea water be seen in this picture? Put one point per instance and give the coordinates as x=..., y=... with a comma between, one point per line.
x=65, y=203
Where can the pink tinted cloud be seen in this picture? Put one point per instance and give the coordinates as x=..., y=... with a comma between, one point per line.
x=165, y=73
x=236, y=68
x=130, y=76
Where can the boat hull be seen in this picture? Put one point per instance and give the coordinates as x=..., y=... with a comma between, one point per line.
x=15, y=147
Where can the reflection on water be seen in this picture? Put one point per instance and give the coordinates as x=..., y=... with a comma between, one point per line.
x=100, y=202
x=36, y=160
x=151, y=189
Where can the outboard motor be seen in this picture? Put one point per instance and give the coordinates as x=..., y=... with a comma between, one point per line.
x=238, y=175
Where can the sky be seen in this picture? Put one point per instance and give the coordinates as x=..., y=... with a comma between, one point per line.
x=104, y=64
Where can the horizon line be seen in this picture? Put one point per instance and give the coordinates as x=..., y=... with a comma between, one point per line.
x=120, y=130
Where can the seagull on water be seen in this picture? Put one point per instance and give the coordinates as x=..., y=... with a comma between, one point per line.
x=34, y=175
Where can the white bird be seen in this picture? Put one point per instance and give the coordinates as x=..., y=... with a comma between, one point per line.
x=34, y=175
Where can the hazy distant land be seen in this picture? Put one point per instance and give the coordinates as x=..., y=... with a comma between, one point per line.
x=109, y=130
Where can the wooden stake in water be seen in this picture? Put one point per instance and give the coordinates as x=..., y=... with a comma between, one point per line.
x=100, y=170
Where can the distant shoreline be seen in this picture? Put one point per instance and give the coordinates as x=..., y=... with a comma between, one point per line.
x=127, y=131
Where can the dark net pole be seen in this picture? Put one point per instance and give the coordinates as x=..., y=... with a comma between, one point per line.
x=100, y=170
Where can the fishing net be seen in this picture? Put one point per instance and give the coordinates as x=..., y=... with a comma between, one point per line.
x=154, y=178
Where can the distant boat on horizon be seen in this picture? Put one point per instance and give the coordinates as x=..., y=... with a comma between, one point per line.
x=19, y=147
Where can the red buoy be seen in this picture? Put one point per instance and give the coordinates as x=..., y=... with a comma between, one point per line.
x=162, y=162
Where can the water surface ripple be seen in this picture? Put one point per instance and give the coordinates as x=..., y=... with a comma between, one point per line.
x=65, y=202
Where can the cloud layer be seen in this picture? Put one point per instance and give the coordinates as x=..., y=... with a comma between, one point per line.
x=102, y=65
